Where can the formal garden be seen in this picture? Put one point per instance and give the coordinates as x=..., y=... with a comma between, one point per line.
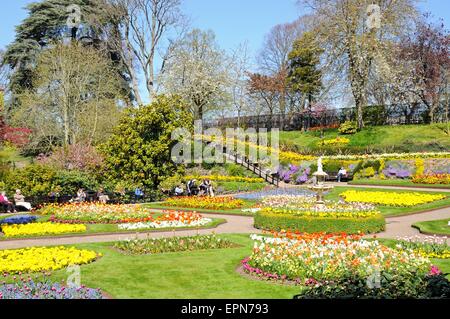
x=217, y=179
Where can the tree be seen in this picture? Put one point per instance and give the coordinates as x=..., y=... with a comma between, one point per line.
x=199, y=71
x=76, y=99
x=46, y=23
x=141, y=29
x=139, y=151
x=268, y=89
x=356, y=40
x=427, y=50
x=304, y=74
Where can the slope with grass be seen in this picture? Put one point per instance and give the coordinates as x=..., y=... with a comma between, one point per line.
x=378, y=139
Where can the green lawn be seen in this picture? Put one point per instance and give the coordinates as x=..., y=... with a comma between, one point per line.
x=98, y=229
x=388, y=211
x=237, y=211
x=207, y=274
x=238, y=187
x=194, y=275
x=435, y=227
x=395, y=182
x=380, y=139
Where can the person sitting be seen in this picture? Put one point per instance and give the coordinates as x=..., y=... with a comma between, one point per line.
x=7, y=204
x=81, y=196
x=192, y=188
x=102, y=197
x=139, y=193
x=342, y=173
x=203, y=188
x=179, y=191
x=19, y=199
x=209, y=188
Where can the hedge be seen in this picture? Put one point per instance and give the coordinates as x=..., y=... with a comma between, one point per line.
x=278, y=222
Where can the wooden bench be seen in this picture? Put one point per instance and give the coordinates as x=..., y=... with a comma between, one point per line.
x=333, y=177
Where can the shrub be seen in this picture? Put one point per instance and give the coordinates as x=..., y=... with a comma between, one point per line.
x=278, y=222
x=348, y=128
x=171, y=182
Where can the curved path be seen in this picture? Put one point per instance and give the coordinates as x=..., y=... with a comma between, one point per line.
x=395, y=227
x=234, y=225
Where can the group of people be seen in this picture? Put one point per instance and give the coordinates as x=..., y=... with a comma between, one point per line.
x=204, y=189
x=19, y=202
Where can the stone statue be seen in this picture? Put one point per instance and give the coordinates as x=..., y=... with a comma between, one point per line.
x=319, y=165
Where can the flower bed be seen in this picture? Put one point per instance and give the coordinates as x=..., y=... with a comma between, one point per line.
x=275, y=192
x=39, y=289
x=41, y=229
x=311, y=222
x=18, y=220
x=300, y=213
x=338, y=141
x=174, y=244
x=434, y=179
x=40, y=259
x=170, y=220
x=220, y=203
x=431, y=247
x=319, y=261
x=390, y=198
x=97, y=213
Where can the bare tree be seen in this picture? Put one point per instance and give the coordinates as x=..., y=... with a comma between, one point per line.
x=356, y=43
x=142, y=29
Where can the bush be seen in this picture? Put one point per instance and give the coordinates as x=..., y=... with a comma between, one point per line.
x=171, y=182
x=348, y=128
x=278, y=222
x=40, y=180
x=435, y=286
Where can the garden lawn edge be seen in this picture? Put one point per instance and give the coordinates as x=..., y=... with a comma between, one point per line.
x=419, y=186
x=278, y=222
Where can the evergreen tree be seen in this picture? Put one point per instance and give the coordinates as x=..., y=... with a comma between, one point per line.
x=304, y=74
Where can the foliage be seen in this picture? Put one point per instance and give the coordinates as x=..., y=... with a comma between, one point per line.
x=219, y=203
x=75, y=100
x=175, y=244
x=219, y=178
x=348, y=128
x=171, y=182
x=38, y=259
x=41, y=229
x=304, y=75
x=40, y=180
x=391, y=198
x=139, y=151
x=338, y=141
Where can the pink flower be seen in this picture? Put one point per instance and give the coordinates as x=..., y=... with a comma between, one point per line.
x=434, y=271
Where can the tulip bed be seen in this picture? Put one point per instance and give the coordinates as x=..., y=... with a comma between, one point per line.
x=220, y=203
x=398, y=199
x=40, y=259
x=95, y=213
x=341, y=262
x=300, y=213
x=435, y=179
x=170, y=220
x=174, y=244
x=39, y=229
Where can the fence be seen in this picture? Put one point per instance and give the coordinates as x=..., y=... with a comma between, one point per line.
x=373, y=115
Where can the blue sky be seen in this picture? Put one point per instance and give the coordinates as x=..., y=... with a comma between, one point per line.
x=233, y=21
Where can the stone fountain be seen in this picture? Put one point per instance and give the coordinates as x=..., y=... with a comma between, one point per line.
x=320, y=187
